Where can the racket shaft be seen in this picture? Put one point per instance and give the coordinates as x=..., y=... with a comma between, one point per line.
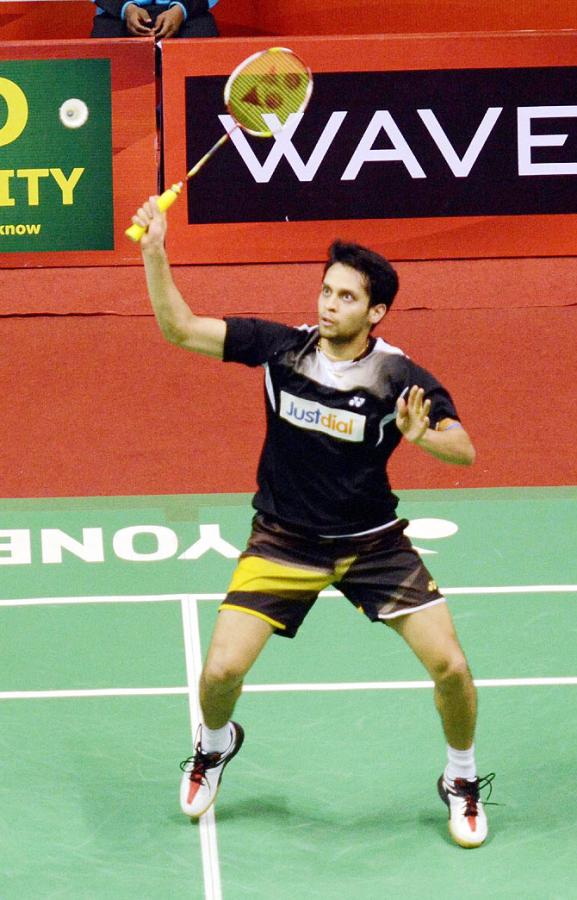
x=198, y=166
x=165, y=201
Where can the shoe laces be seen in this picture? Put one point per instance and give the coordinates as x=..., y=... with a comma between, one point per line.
x=197, y=764
x=469, y=791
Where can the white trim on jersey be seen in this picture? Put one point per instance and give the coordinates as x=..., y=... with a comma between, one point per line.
x=415, y=609
x=267, y=378
x=361, y=533
x=269, y=386
x=381, y=346
x=388, y=418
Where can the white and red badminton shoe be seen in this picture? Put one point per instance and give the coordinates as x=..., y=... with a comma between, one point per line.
x=467, y=819
x=202, y=774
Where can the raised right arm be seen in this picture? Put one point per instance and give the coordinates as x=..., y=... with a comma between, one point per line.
x=176, y=320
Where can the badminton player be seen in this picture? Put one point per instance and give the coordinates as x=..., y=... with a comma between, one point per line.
x=338, y=403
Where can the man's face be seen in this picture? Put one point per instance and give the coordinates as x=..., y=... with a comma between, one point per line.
x=344, y=311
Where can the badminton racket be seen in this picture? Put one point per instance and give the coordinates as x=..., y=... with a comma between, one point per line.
x=271, y=81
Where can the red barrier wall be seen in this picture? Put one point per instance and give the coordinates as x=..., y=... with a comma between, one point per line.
x=411, y=16
x=45, y=19
x=101, y=404
x=42, y=19
x=266, y=234
x=72, y=19
x=95, y=402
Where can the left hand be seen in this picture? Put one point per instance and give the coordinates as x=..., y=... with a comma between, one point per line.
x=168, y=23
x=413, y=415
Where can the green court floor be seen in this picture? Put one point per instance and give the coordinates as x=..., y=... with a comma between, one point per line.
x=107, y=605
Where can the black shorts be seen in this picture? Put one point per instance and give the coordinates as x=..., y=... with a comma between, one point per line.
x=281, y=573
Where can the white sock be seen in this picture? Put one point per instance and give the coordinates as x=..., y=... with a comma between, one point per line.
x=461, y=764
x=216, y=740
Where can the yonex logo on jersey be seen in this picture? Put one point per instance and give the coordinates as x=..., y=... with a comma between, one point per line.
x=348, y=426
x=357, y=401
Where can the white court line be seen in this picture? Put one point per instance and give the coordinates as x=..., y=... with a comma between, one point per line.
x=93, y=692
x=207, y=822
x=163, y=598
x=112, y=598
x=515, y=589
x=402, y=685
x=553, y=681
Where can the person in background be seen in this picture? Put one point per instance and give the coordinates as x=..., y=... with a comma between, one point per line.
x=163, y=19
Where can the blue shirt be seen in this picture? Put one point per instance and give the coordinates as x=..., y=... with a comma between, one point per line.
x=167, y=3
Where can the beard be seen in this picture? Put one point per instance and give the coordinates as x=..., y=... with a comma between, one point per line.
x=330, y=333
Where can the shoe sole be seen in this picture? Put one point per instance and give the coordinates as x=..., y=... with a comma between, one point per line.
x=467, y=845
x=240, y=735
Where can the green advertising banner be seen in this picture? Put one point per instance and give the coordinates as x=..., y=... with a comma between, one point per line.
x=56, y=188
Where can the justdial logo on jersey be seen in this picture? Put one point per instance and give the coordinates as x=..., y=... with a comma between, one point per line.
x=338, y=423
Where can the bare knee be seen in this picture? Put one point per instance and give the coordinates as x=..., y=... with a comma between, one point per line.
x=452, y=672
x=222, y=675
x=236, y=643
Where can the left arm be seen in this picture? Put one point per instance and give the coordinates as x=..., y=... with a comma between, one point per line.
x=449, y=442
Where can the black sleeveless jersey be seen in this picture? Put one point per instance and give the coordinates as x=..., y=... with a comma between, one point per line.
x=330, y=426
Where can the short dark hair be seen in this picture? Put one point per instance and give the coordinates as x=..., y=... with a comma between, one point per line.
x=381, y=279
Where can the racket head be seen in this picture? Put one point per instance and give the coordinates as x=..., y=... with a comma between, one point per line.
x=270, y=81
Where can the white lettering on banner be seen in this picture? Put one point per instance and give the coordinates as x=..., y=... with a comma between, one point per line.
x=165, y=538
x=283, y=146
x=527, y=140
x=460, y=167
x=313, y=416
x=15, y=547
x=54, y=541
x=210, y=539
x=401, y=152
x=382, y=121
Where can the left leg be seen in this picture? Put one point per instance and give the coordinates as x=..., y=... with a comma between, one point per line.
x=431, y=636
x=390, y=584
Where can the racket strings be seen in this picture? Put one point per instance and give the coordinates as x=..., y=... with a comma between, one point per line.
x=275, y=82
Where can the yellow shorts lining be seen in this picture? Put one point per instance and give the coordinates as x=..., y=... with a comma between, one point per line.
x=254, y=612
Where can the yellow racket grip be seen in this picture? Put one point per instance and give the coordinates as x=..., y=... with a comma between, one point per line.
x=164, y=202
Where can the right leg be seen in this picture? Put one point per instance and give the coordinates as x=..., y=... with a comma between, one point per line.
x=273, y=587
x=237, y=640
